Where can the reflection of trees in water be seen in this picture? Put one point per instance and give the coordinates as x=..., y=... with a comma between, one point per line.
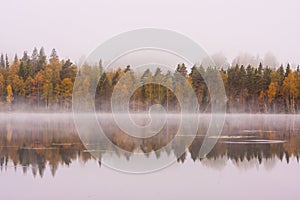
x=51, y=143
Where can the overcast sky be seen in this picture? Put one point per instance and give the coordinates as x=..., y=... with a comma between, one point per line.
x=75, y=28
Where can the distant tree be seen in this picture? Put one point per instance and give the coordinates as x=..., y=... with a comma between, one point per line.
x=42, y=59
x=104, y=92
x=16, y=59
x=2, y=62
x=198, y=83
x=68, y=70
x=6, y=61
x=290, y=91
x=48, y=94
x=66, y=93
x=82, y=93
x=281, y=73
x=54, y=59
x=22, y=71
x=28, y=90
x=2, y=86
x=35, y=60
x=287, y=70
x=37, y=87
x=272, y=92
x=25, y=57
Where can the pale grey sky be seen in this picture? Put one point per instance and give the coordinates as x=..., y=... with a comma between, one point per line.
x=75, y=28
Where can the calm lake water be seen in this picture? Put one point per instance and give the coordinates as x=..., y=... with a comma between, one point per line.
x=42, y=156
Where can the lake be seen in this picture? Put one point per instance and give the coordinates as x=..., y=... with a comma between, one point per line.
x=48, y=156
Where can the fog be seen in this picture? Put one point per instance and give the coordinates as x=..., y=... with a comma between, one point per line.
x=244, y=122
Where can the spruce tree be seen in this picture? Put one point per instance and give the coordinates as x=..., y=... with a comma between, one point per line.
x=6, y=61
x=2, y=62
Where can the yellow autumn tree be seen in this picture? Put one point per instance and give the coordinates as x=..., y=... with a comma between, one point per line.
x=9, y=97
x=290, y=91
x=66, y=89
x=272, y=91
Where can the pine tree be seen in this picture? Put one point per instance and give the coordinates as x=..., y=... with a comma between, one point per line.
x=6, y=61
x=198, y=83
x=2, y=62
x=54, y=59
x=42, y=59
x=281, y=73
x=2, y=86
x=104, y=92
x=287, y=70
x=25, y=57
x=34, y=60
x=16, y=59
x=68, y=70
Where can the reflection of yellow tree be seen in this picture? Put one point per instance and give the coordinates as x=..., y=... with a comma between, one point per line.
x=8, y=132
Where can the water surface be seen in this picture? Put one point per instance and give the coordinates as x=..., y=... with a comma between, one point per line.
x=42, y=156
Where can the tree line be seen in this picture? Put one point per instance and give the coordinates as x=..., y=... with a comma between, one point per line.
x=35, y=82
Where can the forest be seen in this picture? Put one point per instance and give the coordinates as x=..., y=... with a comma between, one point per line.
x=39, y=83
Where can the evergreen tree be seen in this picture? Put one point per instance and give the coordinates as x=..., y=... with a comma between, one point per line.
x=103, y=93
x=54, y=59
x=6, y=61
x=287, y=70
x=2, y=86
x=16, y=59
x=68, y=70
x=34, y=60
x=42, y=59
x=281, y=73
x=25, y=57
x=2, y=62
